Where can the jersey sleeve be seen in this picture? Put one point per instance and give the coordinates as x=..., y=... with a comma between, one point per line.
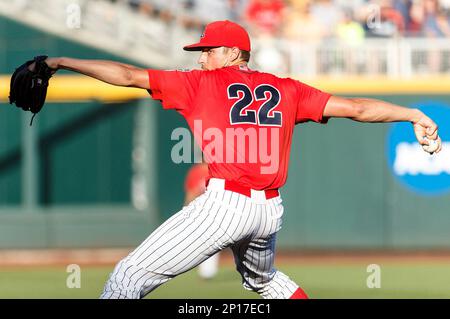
x=175, y=89
x=311, y=103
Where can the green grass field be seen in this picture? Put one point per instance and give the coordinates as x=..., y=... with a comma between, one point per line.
x=398, y=280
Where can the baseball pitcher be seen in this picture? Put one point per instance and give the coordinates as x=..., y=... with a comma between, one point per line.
x=243, y=120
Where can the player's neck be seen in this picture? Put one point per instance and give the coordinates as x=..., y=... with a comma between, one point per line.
x=240, y=63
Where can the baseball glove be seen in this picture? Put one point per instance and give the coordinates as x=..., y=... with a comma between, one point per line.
x=28, y=86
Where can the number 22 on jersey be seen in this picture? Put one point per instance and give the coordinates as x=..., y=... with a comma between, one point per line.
x=263, y=117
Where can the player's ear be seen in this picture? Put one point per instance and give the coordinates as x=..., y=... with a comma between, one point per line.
x=235, y=52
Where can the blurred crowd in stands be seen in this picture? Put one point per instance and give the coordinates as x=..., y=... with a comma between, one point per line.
x=311, y=20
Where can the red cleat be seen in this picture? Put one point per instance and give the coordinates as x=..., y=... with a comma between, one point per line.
x=299, y=294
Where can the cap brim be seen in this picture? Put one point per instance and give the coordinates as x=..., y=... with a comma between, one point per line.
x=199, y=46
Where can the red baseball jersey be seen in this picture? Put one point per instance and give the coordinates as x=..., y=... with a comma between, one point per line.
x=196, y=179
x=242, y=119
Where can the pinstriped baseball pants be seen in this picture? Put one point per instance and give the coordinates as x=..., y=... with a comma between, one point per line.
x=212, y=222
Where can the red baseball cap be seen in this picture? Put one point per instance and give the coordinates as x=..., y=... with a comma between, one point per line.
x=222, y=34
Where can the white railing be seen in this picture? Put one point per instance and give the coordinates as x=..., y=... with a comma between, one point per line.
x=119, y=29
x=395, y=58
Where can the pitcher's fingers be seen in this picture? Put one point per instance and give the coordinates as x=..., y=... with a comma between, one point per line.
x=419, y=131
x=432, y=130
x=423, y=140
x=433, y=136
